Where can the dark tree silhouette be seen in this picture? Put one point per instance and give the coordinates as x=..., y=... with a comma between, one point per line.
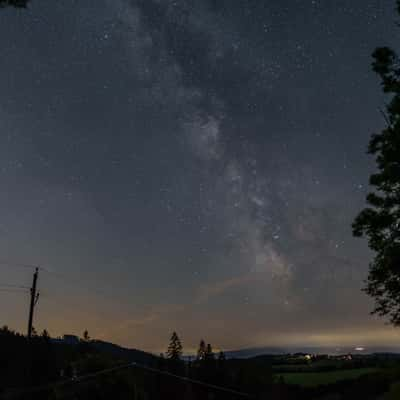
x=14, y=3
x=380, y=221
x=174, y=351
x=45, y=335
x=201, y=352
x=34, y=331
x=86, y=336
x=209, y=356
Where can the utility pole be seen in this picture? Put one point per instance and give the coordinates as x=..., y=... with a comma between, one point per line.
x=34, y=299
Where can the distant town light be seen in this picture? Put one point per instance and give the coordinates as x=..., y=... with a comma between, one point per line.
x=359, y=349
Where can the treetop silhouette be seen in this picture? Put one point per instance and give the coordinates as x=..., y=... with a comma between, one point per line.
x=174, y=351
x=13, y=3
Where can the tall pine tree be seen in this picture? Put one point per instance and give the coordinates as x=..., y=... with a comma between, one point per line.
x=174, y=351
x=380, y=221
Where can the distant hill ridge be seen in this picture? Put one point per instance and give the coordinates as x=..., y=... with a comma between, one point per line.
x=138, y=356
x=143, y=357
x=259, y=351
x=115, y=350
x=151, y=359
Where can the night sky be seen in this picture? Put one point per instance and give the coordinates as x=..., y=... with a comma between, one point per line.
x=190, y=165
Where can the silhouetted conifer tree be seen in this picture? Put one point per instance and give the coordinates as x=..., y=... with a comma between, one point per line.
x=209, y=356
x=45, y=335
x=86, y=336
x=174, y=351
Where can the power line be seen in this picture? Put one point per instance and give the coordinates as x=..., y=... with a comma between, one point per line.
x=94, y=375
x=34, y=298
x=60, y=276
x=64, y=382
x=78, y=282
x=5, y=287
x=66, y=279
x=13, y=290
x=18, y=265
x=13, y=286
x=194, y=381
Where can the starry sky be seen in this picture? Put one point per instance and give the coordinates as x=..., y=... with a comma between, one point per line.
x=190, y=165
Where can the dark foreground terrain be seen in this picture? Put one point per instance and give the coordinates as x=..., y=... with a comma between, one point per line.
x=45, y=368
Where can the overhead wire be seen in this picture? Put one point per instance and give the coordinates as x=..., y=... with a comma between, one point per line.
x=63, y=277
x=80, y=283
x=93, y=375
x=18, y=265
x=13, y=286
x=21, y=288
x=13, y=290
x=56, y=274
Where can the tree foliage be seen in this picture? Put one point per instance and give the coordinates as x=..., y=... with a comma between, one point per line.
x=14, y=3
x=174, y=351
x=380, y=221
x=86, y=336
x=209, y=352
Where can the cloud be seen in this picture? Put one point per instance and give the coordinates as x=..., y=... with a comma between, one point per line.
x=269, y=278
x=154, y=316
x=210, y=290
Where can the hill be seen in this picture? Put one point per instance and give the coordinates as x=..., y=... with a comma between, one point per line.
x=123, y=353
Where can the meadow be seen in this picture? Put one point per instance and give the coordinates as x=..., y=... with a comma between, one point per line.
x=311, y=379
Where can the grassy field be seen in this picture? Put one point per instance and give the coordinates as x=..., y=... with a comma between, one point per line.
x=394, y=392
x=324, y=378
